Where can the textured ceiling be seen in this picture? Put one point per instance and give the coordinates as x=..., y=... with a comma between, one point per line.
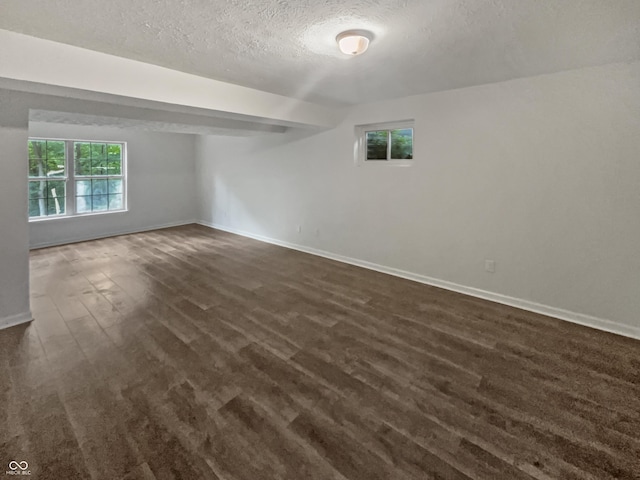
x=288, y=47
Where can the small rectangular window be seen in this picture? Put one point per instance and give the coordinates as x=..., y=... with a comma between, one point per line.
x=68, y=177
x=389, y=143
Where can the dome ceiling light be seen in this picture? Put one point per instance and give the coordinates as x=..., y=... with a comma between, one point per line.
x=354, y=42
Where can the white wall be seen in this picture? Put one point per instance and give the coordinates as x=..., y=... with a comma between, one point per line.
x=541, y=175
x=14, y=250
x=161, y=184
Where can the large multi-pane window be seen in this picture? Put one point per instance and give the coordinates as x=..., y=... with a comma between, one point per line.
x=71, y=177
x=47, y=178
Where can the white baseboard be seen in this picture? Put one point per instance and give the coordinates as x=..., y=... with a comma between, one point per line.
x=574, y=317
x=14, y=320
x=86, y=238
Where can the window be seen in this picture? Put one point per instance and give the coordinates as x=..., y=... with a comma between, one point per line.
x=71, y=177
x=385, y=143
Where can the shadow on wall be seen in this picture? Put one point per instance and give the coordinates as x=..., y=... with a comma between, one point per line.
x=238, y=191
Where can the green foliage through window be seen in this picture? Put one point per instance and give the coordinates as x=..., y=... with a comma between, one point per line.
x=101, y=162
x=47, y=197
x=97, y=166
x=377, y=145
x=46, y=158
x=97, y=159
x=390, y=144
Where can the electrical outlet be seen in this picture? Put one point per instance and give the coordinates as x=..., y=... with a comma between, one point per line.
x=299, y=228
x=317, y=232
x=490, y=266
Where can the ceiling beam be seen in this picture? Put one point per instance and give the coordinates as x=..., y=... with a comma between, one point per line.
x=38, y=63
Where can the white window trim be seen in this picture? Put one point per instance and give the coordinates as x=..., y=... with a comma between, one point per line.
x=70, y=189
x=360, y=148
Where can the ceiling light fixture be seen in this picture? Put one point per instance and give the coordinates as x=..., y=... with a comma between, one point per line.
x=353, y=42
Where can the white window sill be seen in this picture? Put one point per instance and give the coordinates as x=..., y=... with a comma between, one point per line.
x=77, y=215
x=385, y=163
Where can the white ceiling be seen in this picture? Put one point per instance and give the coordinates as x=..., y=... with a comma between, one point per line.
x=288, y=47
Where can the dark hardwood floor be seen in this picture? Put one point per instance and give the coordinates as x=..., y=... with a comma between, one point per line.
x=196, y=354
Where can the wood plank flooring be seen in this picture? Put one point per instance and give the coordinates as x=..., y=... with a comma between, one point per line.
x=190, y=353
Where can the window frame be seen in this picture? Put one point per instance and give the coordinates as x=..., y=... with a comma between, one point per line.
x=361, y=143
x=71, y=177
x=65, y=179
